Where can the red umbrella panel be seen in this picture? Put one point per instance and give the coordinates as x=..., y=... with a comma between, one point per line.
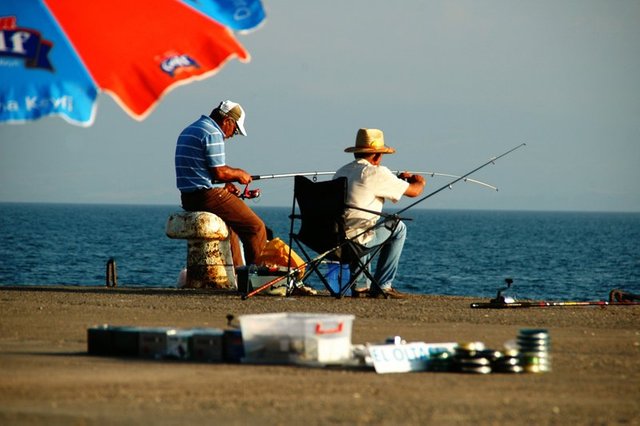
x=56, y=55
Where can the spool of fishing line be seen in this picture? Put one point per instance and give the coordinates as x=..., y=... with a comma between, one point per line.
x=534, y=346
x=472, y=357
x=507, y=362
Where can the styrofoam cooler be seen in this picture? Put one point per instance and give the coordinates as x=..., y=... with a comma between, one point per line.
x=281, y=338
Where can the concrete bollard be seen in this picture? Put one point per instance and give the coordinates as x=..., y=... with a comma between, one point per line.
x=209, y=261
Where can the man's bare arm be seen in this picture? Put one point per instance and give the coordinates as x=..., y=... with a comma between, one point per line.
x=416, y=184
x=230, y=174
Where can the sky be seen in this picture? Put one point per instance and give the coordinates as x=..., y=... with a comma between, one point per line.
x=451, y=83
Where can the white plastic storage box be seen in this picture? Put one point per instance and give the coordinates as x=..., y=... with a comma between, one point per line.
x=282, y=338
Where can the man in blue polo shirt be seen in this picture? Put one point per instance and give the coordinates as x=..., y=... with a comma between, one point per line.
x=205, y=180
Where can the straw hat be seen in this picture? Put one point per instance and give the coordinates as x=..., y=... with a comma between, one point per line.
x=370, y=141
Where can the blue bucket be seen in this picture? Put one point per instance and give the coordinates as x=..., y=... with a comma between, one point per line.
x=333, y=276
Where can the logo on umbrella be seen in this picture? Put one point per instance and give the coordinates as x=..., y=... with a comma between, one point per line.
x=175, y=63
x=23, y=43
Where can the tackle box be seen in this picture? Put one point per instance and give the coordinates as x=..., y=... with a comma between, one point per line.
x=260, y=276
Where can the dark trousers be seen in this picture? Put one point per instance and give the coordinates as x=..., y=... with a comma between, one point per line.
x=240, y=219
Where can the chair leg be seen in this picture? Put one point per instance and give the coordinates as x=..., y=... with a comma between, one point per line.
x=363, y=268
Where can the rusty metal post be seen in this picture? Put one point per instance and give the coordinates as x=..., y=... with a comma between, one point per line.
x=209, y=261
x=112, y=275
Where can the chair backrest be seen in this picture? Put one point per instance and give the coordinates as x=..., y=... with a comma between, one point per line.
x=321, y=206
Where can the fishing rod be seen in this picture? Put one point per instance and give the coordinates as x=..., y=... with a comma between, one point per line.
x=450, y=184
x=432, y=174
x=314, y=176
x=616, y=298
x=288, y=175
x=248, y=194
x=545, y=304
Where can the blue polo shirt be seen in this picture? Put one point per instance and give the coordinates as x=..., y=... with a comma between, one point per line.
x=200, y=146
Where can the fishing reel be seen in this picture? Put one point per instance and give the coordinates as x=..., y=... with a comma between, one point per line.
x=499, y=297
x=249, y=194
x=403, y=175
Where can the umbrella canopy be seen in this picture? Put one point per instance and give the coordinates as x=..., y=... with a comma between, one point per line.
x=56, y=55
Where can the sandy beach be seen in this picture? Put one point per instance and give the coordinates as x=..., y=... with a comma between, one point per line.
x=47, y=377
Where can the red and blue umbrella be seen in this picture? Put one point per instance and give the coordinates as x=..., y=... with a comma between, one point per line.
x=57, y=55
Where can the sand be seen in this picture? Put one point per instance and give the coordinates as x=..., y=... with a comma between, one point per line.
x=47, y=377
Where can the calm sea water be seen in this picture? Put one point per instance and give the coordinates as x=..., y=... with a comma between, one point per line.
x=550, y=256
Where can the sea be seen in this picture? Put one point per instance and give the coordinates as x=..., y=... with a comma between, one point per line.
x=552, y=256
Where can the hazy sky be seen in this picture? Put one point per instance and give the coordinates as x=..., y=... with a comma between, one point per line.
x=451, y=84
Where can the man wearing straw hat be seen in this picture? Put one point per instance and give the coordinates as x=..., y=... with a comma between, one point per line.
x=369, y=184
x=205, y=180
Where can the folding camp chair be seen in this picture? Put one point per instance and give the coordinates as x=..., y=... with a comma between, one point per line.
x=321, y=208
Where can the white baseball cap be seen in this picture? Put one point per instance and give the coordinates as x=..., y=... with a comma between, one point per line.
x=235, y=111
